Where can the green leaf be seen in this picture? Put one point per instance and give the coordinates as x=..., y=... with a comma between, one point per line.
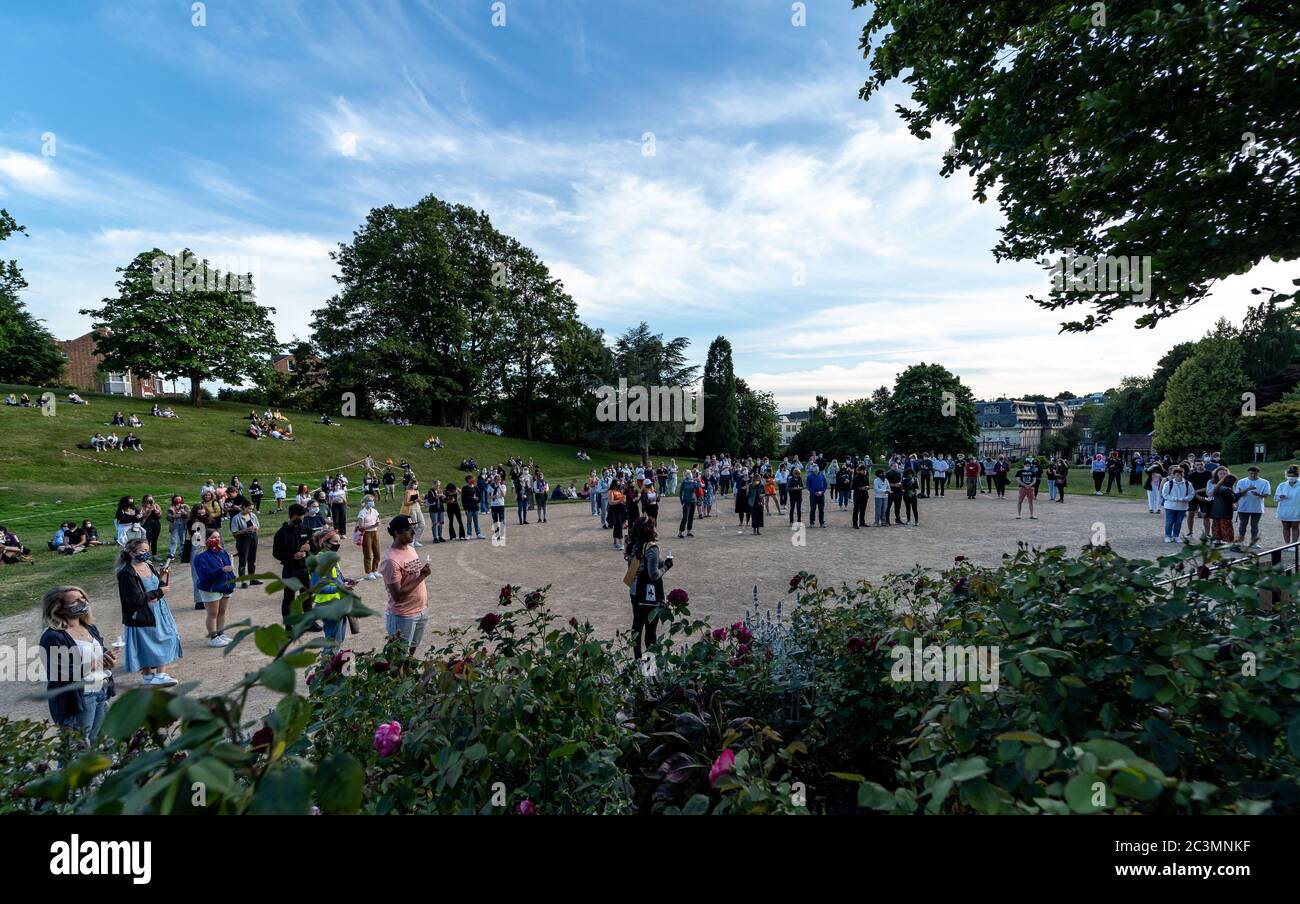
x=875, y=797
x=213, y=773
x=284, y=791
x=1039, y=758
x=340, y=781
x=968, y=769
x=698, y=805
x=1027, y=737
x=1079, y=792
x=565, y=750
x=1035, y=666
x=278, y=676
x=271, y=639
x=1108, y=750
x=128, y=713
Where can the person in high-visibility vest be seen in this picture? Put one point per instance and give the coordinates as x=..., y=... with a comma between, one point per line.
x=331, y=585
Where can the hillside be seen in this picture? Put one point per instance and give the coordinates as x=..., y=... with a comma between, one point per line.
x=41, y=486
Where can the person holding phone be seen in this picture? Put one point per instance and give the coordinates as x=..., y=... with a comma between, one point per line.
x=1251, y=492
x=216, y=577
x=76, y=663
x=149, y=630
x=289, y=547
x=647, y=588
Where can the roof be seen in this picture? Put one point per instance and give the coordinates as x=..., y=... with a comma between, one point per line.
x=1134, y=442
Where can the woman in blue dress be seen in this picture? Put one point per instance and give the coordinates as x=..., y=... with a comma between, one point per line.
x=152, y=641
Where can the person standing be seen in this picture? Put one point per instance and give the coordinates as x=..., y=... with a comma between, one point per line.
x=338, y=500
x=151, y=515
x=940, y=466
x=540, y=490
x=1115, y=473
x=367, y=524
x=290, y=547
x=615, y=515
x=126, y=515
x=470, y=496
x=412, y=509
x=881, y=487
x=497, y=504
x=972, y=477
x=686, y=495
x=178, y=516
x=1098, y=473
x=1178, y=496
x=1001, y=470
x=216, y=577
x=255, y=493
x=408, y=597
x=1200, y=481
x=861, y=488
x=601, y=494
x=757, y=496
x=78, y=683
x=278, y=490
x=816, y=496
x=1222, y=499
x=390, y=483
x=794, y=491
x=331, y=585
x=647, y=587
x=1251, y=492
x=1153, y=479
x=244, y=528
x=1287, y=497
x=911, y=490
x=437, y=511
x=455, y=526
x=895, y=506
x=1061, y=478
x=149, y=630
x=1025, y=478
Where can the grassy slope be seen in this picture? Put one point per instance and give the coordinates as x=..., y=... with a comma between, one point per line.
x=40, y=486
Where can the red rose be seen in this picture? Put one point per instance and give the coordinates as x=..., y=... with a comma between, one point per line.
x=533, y=600
x=380, y=665
x=262, y=738
x=678, y=597
x=719, y=634
x=856, y=644
x=488, y=623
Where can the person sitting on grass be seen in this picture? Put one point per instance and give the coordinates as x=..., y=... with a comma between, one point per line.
x=24, y=401
x=119, y=420
x=131, y=441
x=90, y=534
x=254, y=431
x=63, y=540
x=11, y=548
x=134, y=420
x=98, y=441
x=11, y=399
x=76, y=399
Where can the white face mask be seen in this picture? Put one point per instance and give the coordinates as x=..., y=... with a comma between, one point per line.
x=1292, y=479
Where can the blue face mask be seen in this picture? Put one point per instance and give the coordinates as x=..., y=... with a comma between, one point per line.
x=141, y=556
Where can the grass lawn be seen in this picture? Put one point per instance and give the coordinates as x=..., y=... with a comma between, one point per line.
x=1080, y=482
x=41, y=486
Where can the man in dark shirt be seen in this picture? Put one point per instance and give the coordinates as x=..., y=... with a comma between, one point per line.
x=895, y=495
x=860, y=494
x=469, y=496
x=290, y=548
x=1199, y=478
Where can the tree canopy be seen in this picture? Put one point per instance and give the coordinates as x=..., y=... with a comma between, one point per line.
x=27, y=350
x=1146, y=128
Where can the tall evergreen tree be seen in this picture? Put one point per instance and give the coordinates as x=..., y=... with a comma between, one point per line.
x=721, y=431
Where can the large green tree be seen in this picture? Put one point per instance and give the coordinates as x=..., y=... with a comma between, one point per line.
x=581, y=363
x=185, y=321
x=1203, y=400
x=720, y=431
x=645, y=360
x=27, y=351
x=756, y=415
x=930, y=410
x=1127, y=410
x=1149, y=127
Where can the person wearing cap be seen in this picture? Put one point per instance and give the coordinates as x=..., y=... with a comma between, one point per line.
x=403, y=573
x=330, y=586
x=290, y=546
x=1251, y=492
x=1287, y=498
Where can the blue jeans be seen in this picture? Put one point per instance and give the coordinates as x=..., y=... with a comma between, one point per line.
x=482, y=504
x=177, y=539
x=521, y=509
x=882, y=502
x=409, y=627
x=602, y=506
x=91, y=718
x=437, y=519
x=592, y=497
x=471, y=521
x=1173, y=522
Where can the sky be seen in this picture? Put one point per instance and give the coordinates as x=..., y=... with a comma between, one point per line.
x=705, y=167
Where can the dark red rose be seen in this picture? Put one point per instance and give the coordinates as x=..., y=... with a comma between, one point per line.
x=735, y=662
x=505, y=595
x=794, y=581
x=573, y=623
x=678, y=597
x=719, y=634
x=262, y=738
x=488, y=623
x=380, y=665
x=743, y=649
x=959, y=585
x=767, y=654
x=856, y=644
x=959, y=558
x=533, y=600
x=1203, y=572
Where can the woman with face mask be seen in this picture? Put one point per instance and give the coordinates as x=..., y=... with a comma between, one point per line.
x=367, y=524
x=216, y=581
x=126, y=516
x=330, y=586
x=150, y=635
x=1176, y=495
x=1287, y=498
x=77, y=663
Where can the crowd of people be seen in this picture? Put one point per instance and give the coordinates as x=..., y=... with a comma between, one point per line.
x=268, y=423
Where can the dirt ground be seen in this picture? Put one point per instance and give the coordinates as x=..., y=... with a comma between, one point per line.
x=719, y=568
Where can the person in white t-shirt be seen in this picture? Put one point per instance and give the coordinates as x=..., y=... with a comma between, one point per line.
x=1251, y=492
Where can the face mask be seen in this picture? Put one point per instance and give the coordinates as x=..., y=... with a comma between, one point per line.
x=332, y=547
x=214, y=543
x=369, y=504
x=1292, y=478
x=141, y=556
x=78, y=608
x=315, y=510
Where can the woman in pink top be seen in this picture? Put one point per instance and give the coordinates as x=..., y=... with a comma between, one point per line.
x=404, y=574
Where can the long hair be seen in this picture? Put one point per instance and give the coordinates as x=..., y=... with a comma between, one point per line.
x=53, y=602
x=124, y=557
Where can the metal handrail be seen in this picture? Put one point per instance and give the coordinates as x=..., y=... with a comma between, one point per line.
x=1275, y=556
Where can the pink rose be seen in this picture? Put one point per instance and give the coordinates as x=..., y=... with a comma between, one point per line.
x=527, y=808
x=725, y=762
x=388, y=738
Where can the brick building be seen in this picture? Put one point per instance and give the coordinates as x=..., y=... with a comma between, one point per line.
x=82, y=368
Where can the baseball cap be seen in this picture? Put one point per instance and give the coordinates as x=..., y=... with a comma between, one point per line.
x=400, y=522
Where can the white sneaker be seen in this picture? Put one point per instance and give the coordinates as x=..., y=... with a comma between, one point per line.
x=1169, y=539
x=146, y=680
x=162, y=679
x=217, y=642
x=417, y=544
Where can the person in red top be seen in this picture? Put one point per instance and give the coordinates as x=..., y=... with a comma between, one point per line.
x=972, y=477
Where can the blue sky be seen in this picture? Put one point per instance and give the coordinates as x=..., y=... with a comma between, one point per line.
x=776, y=209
